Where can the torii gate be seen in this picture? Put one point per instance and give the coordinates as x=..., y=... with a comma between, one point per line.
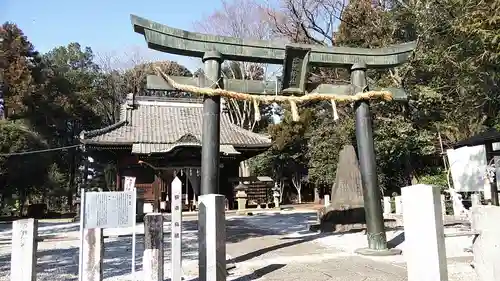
x=296, y=60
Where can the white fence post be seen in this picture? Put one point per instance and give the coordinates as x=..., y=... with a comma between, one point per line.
x=425, y=249
x=24, y=247
x=387, y=205
x=475, y=200
x=399, y=205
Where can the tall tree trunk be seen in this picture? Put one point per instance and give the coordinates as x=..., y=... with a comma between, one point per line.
x=409, y=171
x=282, y=189
x=72, y=167
x=44, y=197
x=297, y=183
x=22, y=201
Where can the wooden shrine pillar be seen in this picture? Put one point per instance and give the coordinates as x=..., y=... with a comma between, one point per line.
x=156, y=193
x=119, y=178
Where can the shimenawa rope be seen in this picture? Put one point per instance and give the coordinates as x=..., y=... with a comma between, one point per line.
x=266, y=99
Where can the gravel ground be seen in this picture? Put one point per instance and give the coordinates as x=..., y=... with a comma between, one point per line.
x=58, y=260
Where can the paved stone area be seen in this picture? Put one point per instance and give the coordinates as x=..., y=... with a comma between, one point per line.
x=347, y=268
x=277, y=256
x=284, y=251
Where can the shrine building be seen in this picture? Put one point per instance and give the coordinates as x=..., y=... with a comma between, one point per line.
x=158, y=138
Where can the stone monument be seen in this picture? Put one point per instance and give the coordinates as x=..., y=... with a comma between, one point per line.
x=346, y=210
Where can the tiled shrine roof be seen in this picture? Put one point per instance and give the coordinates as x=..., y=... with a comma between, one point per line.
x=158, y=125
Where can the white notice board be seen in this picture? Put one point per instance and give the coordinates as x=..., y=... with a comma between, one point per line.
x=109, y=209
x=129, y=184
x=468, y=168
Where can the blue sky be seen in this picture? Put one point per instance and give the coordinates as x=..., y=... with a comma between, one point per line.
x=103, y=25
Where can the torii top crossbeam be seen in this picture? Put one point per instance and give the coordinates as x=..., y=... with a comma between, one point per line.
x=181, y=42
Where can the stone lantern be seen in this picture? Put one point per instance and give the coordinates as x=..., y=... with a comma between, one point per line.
x=276, y=195
x=241, y=196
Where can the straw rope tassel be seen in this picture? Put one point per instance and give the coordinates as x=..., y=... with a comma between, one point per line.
x=256, y=110
x=335, y=113
x=294, y=110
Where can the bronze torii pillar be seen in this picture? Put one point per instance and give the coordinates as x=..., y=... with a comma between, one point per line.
x=377, y=241
x=210, y=143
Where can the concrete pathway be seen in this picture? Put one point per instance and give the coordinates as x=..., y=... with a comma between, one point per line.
x=278, y=253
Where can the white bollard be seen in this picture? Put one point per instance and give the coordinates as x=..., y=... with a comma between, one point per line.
x=457, y=204
x=176, y=225
x=147, y=208
x=24, y=247
x=475, y=200
x=486, y=246
x=163, y=205
x=387, y=205
x=399, y=205
x=212, y=238
x=327, y=200
x=487, y=190
x=425, y=249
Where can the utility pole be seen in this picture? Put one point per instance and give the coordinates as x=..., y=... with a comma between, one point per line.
x=2, y=103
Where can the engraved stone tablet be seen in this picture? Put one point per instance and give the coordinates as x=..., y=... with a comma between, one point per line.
x=295, y=70
x=24, y=247
x=346, y=210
